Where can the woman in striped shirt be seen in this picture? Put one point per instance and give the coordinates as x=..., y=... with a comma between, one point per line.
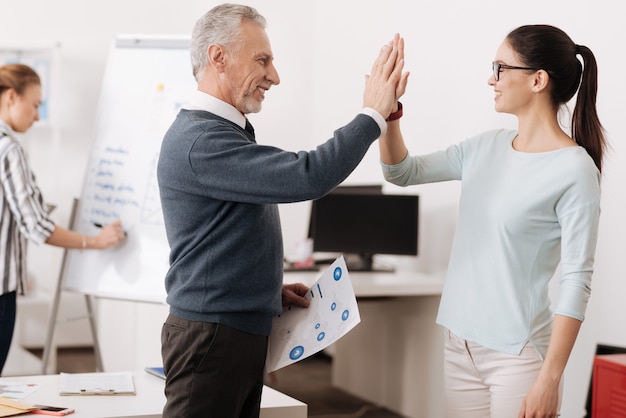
x=23, y=214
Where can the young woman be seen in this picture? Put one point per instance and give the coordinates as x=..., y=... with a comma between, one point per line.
x=22, y=210
x=530, y=200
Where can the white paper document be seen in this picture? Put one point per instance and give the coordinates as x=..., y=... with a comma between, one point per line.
x=298, y=333
x=96, y=384
x=16, y=390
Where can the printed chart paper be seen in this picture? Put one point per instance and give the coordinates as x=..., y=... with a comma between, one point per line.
x=16, y=390
x=298, y=333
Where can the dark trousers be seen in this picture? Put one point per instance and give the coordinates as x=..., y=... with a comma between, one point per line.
x=7, y=324
x=211, y=370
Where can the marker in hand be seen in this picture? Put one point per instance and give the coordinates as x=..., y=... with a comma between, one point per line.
x=99, y=225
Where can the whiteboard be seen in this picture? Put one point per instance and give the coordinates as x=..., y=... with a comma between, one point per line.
x=147, y=79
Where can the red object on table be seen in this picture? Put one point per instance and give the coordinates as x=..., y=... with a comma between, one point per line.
x=609, y=386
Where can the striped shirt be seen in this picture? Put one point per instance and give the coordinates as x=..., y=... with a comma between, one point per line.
x=22, y=212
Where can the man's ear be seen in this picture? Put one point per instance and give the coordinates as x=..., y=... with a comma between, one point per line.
x=540, y=80
x=216, y=55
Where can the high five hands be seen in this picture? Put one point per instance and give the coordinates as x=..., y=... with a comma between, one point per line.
x=386, y=83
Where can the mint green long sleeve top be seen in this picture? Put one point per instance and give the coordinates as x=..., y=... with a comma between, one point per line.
x=520, y=215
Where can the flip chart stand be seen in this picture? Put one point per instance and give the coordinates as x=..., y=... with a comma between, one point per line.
x=54, y=320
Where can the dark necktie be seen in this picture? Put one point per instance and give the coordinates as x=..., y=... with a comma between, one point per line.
x=249, y=127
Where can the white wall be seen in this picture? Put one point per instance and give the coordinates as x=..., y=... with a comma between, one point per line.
x=323, y=50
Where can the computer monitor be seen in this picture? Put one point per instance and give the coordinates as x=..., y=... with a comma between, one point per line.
x=359, y=189
x=360, y=225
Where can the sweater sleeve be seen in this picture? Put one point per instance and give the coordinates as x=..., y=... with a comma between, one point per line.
x=429, y=168
x=579, y=217
x=444, y=165
x=231, y=168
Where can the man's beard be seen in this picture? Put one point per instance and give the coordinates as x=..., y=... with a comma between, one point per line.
x=249, y=104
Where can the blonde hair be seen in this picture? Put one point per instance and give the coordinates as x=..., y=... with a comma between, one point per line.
x=17, y=77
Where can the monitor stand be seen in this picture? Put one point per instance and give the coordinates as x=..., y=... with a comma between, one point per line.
x=364, y=262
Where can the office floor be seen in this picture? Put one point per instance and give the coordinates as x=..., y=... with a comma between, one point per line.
x=307, y=381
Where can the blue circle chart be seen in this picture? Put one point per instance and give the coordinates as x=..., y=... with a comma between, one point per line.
x=337, y=273
x=296, y=352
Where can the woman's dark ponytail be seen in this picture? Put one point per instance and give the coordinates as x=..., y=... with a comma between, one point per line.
x=552, y=50
x=587, y=130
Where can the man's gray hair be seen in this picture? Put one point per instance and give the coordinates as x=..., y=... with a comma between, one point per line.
x=220, y=25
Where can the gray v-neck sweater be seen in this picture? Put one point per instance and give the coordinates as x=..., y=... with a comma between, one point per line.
x=219, y=194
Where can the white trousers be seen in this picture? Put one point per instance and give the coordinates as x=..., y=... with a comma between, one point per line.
x=483, y=383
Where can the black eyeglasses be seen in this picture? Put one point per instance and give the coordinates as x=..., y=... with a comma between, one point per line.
x=497, y=67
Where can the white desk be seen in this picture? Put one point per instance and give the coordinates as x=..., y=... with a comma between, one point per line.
x=147, y=403
x=394, y=357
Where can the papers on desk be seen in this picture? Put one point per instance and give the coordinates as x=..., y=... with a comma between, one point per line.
x=11, y=393
x=96, y=384
x=298, y=333
x=16, y=390
x=8, y=408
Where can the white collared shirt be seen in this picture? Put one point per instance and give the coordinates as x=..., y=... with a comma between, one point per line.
x=204, y=101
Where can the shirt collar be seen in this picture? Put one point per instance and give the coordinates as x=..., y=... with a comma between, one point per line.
x=6, y=129
x=203, y=101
